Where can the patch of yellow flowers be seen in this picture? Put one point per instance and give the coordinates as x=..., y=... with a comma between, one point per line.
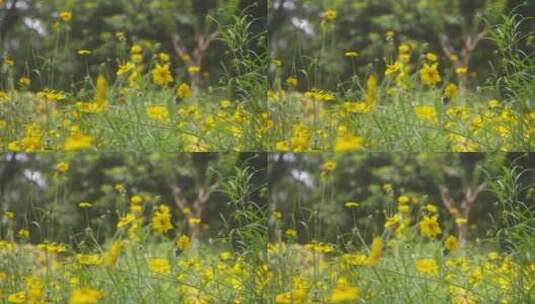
x=418, y=104
x=414, y=255
x=51, y=272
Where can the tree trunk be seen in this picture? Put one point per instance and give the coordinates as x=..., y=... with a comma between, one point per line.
x=470, y=44
x=461, y=211
x=193, y=59
x=196, y=208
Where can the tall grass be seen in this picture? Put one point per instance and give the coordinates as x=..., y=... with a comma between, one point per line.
x=516, y=224
x=515, y=71
x=402, y=264
x=135, y=263
x=230, y=116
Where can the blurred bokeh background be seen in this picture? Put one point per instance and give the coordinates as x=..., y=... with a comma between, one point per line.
x=35, y=38
x=44, y=191
x=311, y=190
x=299, y=35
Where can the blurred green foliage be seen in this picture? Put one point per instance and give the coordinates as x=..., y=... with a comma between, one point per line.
x=297, y=35
x=49, y=53
x=313, y=200
x=47, y=201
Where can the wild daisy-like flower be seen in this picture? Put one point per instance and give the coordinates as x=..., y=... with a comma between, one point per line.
x=111, y=257
x=292, y=81
x=348, y=142
x=25, y=81
x=428, y=266
x=429, y=74
x=126, y=220
x=461, y=71
x=161, y=75
x=183, y=91
x=19, y=297
x=431, y=57
x=183, y=242
x=451, y=243
x=125, y=69
x=159, y=266
x=161, y=220
x=159, y=113
x=85, y=296
x=430, y=227
x=194, y=69
x=194, y=221
x=329, y=166
x=23, y=233
x=330, y=15
x=375, y=252
x=428, y=113
x=344, y=293
x=77, y=141
x=451, y=91
x=65, y=16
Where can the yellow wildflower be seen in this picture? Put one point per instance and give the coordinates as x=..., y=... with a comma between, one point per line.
x=84, y=52
x=451, y=243
x=344, y=293
x=348, y=142
x=161, y=220
x=85, y=205
x=158, y=113
x=85, y=296
x=428, y=266
x=329, y=166
x=451, y=91
x=160, y=266
x=351, y=205
x=428, y=113
x=183, y=91
x=431, y=57
x=183, y=242
x=330, y=15
x=62, y=167
x=23, y=233
x=19, y=297
x=65, y=16
x=25, y=81
x=77, y=141
x=351, y=54
x=161, y=75
x=375, y=252
x=194, y=69
x=461, y=71
x=429, y=226
x=429, y=74
x=292, y=81
x=111, y=257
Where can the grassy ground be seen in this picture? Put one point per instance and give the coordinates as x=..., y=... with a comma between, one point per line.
x=408, y=268
x=148, y=120
x=151, y=256
x=402, y=116
x=147, y=103
x=415, y=255
x=412, y=99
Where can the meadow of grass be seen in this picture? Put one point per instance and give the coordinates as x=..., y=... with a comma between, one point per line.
x=151, y=257
x=420, y=101
x=415, y=257
x=416, y=253
x=147, y=103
